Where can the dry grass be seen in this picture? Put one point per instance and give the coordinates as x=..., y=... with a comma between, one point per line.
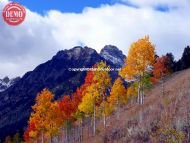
x=147, y=123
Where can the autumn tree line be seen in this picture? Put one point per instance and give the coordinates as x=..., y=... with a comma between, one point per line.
x=98, y=97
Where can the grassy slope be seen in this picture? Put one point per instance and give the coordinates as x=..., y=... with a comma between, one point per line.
x=149, y=122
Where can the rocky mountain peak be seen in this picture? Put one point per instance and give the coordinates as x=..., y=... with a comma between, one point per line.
x=5, y=79
x=75, y=53
x=113, y=54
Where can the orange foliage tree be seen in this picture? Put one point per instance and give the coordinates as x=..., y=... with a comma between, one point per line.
x=45, y=120
x=118, y=94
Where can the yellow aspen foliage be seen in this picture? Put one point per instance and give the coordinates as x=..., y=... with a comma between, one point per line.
x=118, y=93
x=102, y=79
x=96, y=90
x=95, y=93
x=33, y=134
x=140, y=55
x=132, y=91
x=87, y=104
x=106, y=108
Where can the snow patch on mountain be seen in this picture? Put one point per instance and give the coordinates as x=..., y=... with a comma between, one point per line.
x=5, y=83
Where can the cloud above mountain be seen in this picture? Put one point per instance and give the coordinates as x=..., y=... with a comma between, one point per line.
x=23, y=47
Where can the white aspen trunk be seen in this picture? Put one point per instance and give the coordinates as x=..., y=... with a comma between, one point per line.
x=104, y=116
x=138, y=98
x=104, y=121
x=42, y=137
x=50, y=139
x=81, y=133
x=143, y=89
x=118, y=106
x=140, y=91
x=94, y=119
x=141, y=96
x=66, y=133
x=104, y=112
x=162, y=86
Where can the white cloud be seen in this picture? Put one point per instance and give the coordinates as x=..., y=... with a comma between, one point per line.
x=40, y=37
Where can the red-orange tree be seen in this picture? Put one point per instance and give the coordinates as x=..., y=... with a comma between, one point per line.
x=77, y=96
x=30, y=133
x=161, y=68
x=69, y=104
x=45, y=117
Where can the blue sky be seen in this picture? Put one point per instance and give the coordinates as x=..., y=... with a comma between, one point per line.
x=76, y=6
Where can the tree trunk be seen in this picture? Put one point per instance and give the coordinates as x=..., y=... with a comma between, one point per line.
x=94, y=119
x=104, y=116
x=104, y=112
x=142, y=89
x=81, y=133
x=66, y=134
x=104, y=121
x=142, y=95
x=118, y=106
x=139, y=91
x=51, y=139
x=42, y=137
x=162, y=86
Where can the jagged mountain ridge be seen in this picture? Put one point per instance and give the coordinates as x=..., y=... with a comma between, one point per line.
x=16, y=101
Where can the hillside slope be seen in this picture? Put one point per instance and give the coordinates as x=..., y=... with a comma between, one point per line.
x=162, y=118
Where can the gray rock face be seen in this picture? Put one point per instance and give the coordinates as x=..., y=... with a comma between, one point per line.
x=113, y=55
